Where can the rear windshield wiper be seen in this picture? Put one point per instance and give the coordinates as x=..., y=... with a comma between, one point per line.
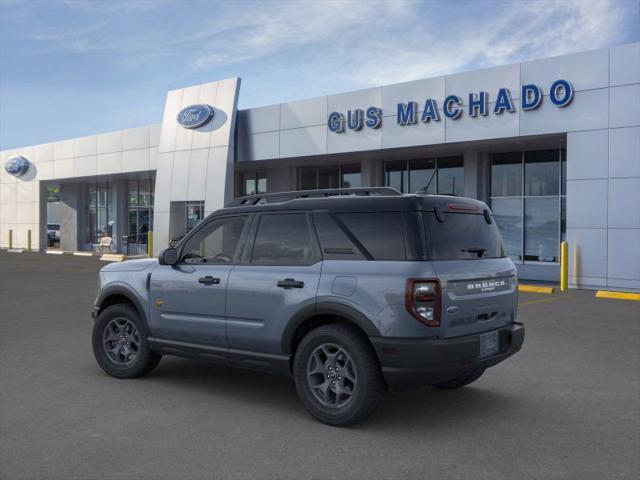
x=478, y=250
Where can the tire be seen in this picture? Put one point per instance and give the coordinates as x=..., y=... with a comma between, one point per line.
x=119, y=326
x=359, y=387
x=459, y=382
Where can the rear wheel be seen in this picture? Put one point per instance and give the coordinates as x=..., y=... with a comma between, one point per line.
x=337, y=375
x=120, y=344
x=460, y=381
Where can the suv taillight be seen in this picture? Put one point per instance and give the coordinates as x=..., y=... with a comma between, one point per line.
x=422, y=299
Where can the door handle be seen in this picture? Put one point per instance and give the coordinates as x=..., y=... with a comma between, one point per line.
x=290, y=283
x=209, y=280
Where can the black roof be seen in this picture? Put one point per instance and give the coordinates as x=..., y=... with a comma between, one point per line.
x=374, y=199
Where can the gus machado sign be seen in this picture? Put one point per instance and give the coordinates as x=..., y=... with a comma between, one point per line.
x=560, y=95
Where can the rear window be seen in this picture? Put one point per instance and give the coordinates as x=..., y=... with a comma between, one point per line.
x=462, y=236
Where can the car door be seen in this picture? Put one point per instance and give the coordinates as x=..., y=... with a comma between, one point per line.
x=188, y=299
x=278, y=277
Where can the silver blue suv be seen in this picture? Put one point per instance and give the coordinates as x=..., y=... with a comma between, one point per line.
x=349, y=291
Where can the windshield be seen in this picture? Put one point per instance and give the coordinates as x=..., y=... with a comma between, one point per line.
x=462, y=236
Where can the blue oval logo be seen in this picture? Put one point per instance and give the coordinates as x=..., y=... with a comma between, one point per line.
x=195, y=116
x=16, y=166
x=452, y=310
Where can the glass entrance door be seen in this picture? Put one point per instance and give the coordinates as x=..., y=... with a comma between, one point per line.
x=140, y=215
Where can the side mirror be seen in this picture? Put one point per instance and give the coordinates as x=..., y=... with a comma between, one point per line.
x=168, y=256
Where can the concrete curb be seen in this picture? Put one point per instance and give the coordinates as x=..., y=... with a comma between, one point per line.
x=634, y=297
x=535, y=289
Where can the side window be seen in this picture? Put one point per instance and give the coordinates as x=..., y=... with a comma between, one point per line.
x=217, y=242
x=334, y=242
x=283, y=239
x=380, y=233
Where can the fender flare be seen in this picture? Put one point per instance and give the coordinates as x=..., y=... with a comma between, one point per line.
x=123, y=291
x=337, y=309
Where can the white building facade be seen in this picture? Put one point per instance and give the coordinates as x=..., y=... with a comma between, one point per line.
x=552, y=145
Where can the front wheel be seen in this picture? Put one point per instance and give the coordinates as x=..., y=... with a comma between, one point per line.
x=337, y=375
x=120, y=344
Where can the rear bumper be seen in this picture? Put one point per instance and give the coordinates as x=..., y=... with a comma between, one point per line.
x=412, y=363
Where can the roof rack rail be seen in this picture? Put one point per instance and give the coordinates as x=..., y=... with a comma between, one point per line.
x=280, y=197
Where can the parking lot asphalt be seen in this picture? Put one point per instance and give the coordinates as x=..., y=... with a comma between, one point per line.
x=567, y=406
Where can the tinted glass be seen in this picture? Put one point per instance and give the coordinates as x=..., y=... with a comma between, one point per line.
x=283, y=239
x=462, y=236
x=507, y=213
x=334, y=242
x=250, y=186
x=194, y=214
x=421, y=172
x=451, y=176
x=262, y=183
x=395, y=175
x=379, y=233
x=329, y=177
x=217, y=242
x=563, y=168
x=351, y=177
x=132, y=193
x=541, y=173
x=542, y=228
x=506, y=175
x=307, y=178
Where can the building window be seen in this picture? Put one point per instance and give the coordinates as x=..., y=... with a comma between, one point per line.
x=329, y=176
x=444, y=175
x=139, y=215
x=194, y=213
x=528, y=201
x=254, y=183
x=53, y=193
x=100, y=212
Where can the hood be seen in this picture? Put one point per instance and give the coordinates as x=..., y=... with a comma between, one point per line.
x=130, y=265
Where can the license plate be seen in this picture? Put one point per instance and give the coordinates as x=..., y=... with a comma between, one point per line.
x=489, y=344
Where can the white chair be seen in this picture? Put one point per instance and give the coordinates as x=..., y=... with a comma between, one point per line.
x=103, y=242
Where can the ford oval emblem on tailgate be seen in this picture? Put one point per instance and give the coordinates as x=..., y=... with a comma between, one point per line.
x=452, y=310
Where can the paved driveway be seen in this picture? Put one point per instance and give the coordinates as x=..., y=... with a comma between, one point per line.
x=567, y=406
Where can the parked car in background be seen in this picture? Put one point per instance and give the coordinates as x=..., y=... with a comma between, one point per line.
x=53, y=234
x=349, y=291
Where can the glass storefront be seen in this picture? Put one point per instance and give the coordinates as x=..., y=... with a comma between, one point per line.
x=329, y=176
x=100, y=219
x=194, y=214
x=528, y=202
x=444, y=175
x=254, y=183
x=139, y=215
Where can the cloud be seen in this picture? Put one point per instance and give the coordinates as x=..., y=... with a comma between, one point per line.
x=520, y=31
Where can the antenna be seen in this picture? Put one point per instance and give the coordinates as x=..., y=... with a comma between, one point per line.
x=426, y=187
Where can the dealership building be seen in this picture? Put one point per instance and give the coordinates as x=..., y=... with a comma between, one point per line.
x=552, y=145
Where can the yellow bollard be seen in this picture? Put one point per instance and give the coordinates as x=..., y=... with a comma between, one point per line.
x=564, y=266
x=29, y=240
x=150, y=244
x=10, y=239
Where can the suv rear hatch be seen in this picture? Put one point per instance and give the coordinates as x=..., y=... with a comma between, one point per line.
x=478, y=282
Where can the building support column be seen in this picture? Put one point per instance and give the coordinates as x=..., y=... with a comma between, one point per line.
x=69, y=216
x=477, y=175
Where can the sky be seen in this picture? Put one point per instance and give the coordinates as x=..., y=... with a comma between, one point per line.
x=70, y=68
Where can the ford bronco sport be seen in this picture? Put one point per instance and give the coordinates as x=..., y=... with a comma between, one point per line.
x=349, y=291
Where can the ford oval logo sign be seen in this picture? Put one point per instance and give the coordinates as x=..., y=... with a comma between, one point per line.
x=16, y=166
x=195, y=116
